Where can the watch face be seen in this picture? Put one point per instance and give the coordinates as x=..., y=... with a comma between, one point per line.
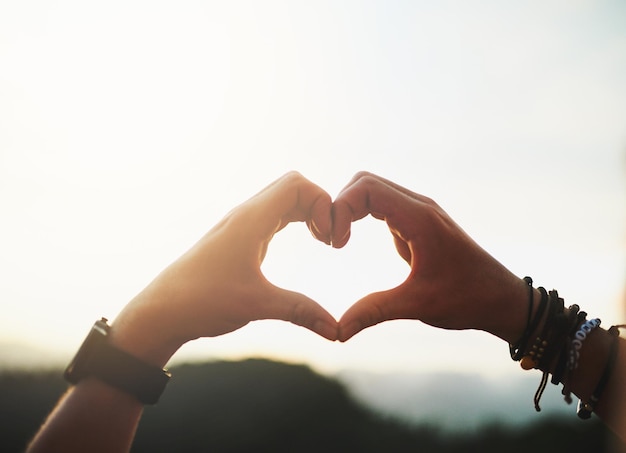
x=80, y=364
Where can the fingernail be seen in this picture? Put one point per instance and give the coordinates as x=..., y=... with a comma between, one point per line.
x=315, y=228
x=318, y=234
x=341, y=242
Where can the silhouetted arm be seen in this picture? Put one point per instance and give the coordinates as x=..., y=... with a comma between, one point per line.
x=455, y=284
x=214, y=288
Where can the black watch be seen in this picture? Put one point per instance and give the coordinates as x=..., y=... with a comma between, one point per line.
x=98, y=358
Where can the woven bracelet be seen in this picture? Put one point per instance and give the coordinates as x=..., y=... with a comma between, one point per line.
x=520, y=348
x=529, y=360
x=555, y=328
x=574, y=318
x=517, y=349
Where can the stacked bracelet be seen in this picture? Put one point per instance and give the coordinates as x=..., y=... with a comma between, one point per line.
x=555, y=349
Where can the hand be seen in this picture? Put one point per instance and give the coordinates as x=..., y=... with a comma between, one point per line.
x=217, y=286
x=453, y=282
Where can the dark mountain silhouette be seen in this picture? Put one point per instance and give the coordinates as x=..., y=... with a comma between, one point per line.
x=259, y=405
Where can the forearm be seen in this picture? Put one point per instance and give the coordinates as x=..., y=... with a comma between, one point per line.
x=214, y=288
x=92, y=416
x=95, y=416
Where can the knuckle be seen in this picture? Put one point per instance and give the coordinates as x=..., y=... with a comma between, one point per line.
x=298, y=313
x=293, y=176
x=431, y=203
x=364, y=177
x=378, y=313
x=362, y=174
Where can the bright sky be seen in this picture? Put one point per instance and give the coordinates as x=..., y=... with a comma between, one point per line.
x=127, y=129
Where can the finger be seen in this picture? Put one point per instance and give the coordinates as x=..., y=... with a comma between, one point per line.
x=403, y=248
x=367, y=175
x=300, y=310
x=370, y=194
x=374, y=309
x=291, y=198
x=320, y=223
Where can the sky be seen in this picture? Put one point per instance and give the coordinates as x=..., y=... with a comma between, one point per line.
x=128, y=129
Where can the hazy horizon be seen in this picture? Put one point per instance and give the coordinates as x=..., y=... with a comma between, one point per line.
x=454, y=402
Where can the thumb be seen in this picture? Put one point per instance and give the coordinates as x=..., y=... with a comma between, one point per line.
x=301, y=310
x=371, y=310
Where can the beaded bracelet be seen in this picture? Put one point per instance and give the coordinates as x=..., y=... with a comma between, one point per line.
x=559, y=344
x=536, y=352
x=577, y=342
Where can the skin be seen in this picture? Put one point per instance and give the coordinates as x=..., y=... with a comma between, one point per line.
x=455, y=284
x=218, y=287
x=452, y=283
x=214, y=288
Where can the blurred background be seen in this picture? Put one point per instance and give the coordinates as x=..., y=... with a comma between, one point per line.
x=127, y=129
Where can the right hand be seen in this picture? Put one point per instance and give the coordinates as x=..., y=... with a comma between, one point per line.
x=217, y=286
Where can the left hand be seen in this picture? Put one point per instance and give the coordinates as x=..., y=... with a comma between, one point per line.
x=218, y=287
x=453, y=282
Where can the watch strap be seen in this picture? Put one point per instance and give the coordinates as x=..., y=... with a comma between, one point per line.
x=99, y=359
x=128, y=373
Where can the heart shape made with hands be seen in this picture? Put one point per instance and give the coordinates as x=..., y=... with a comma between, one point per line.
x=335, y=278
x=218, y=286
x=293, y=198
x=245, y=235
x=452, y=283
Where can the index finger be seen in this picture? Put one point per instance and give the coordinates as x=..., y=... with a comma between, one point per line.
x=291, y=198
x=371, y=194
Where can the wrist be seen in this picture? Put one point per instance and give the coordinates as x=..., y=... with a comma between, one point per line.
x=142, y=338
x=143, y=329
x=509, y=316
x=101, y=359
